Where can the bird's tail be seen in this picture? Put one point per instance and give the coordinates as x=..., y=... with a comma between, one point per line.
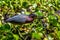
x=6, y=16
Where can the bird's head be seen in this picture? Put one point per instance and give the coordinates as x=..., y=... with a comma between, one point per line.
x=33, y=15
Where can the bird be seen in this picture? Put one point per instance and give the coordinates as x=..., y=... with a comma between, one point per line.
x=20, y=18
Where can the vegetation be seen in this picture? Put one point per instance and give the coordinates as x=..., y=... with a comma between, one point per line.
x=47, y=28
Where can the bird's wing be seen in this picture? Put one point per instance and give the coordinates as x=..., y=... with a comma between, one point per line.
x=17, y=18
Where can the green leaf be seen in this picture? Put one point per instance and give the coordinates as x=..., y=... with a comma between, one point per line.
x=5, y=27
x=39, y=13
x=52, y=20
x=25, y=4
x=58, y=34
x=37, y=35
x=16, y=36
x=39, y=29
